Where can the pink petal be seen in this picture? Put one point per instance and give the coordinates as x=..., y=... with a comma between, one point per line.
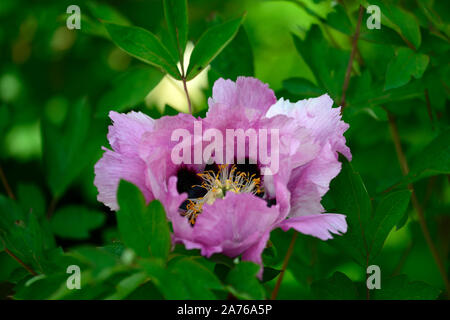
x=248, y=96
x=318, y=225
x=124, y=162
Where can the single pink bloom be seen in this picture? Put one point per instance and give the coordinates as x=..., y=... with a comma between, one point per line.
x=233, y=222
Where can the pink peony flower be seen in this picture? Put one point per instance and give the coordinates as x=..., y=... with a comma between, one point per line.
x=232, y=208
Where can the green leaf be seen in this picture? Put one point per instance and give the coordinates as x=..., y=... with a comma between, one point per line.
x=399, y=288
x=75, y=222
x=243, y=282
x=402, y=21
x=129, y=89
x=31, y=199
x=236, y=59
x=176, y=14
x=351, y=199
x=433, y=160
x=106, y=12
x=339, y=20
x=23, y=235
x=337, y=287
x=127, y=285
x=147, y=291
x=405, y=64
x=210, y=44
x=269, y=274
x=170, y=284
x=328, y=69
x=68, y=150
x=142, y=228
x=198, y=280
x=302, y=87
x=143, y=45
x=388, y=213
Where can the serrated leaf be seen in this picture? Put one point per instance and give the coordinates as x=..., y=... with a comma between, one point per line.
x=143, y=228
x=143, y=45
x=210, y=44
x=23, y=235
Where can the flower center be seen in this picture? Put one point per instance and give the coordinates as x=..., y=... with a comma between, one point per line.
x=217, y=184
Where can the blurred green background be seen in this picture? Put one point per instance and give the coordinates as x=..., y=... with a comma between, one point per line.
x=57, y=86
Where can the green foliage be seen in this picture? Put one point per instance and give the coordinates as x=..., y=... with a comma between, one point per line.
x=337, y=287
x=242, y=282
x=210, y=44
x=433, y=160
x=68, y=150
x=57, y=87
x=405, y=64
x=124, y=94
x=75, y=222
x=400, y=288
x=143, y=228
x=143, y=45
x=367, y=231
x=329, y=70
x=175, y=12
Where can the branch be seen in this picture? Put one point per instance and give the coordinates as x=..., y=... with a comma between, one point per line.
x=283, y=268
x=6, y=184
x=187, y=94
x=429, y=110
x=352, y=56
x=415, y=202
x=183, y=75
x=12, y=255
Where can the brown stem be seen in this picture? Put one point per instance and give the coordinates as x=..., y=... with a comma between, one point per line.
x=52, y=207
x=12, y=255
x=6, y=184
x=187, y=94
x=283, y=268
x=352, y=56
x=402, y=259
x=183, y=74
x=418, y=208
x=429, y=110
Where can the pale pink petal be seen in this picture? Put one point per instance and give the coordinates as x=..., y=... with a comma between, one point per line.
x=124, y=162
x=318, y=225
x=248, y=96
x=230, y=225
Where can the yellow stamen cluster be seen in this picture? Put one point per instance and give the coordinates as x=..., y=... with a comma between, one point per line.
x=217, y=185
